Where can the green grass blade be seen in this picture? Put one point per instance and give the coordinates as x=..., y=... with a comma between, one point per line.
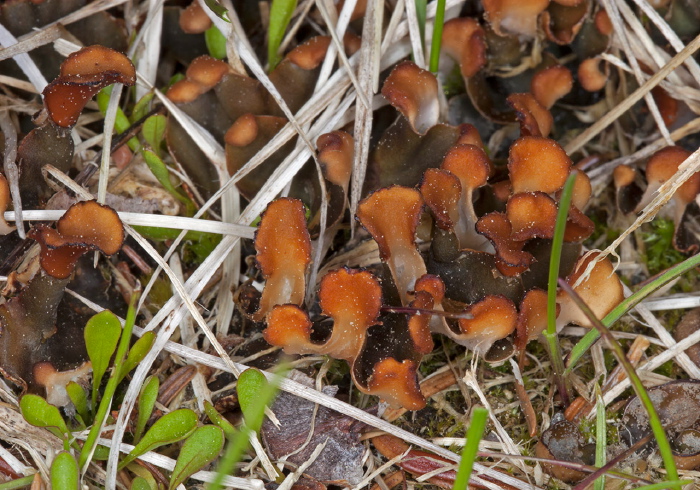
x=436, y=45
x=665, y=484
x=25, y=481
x=630, y=302
x=654, y=421
x=554, y=264
x=474, y=434
x=280, y=14
x=600, y=439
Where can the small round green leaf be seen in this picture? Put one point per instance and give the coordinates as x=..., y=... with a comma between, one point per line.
x=170, y=428
x=41, y=413
x=64, y=472
x=216, y=42
x=102, y=333
x=200, y=449
x=251, y=385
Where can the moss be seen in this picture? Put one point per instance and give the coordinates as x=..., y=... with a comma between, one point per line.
x=658, y=239
x=159, y=294
x=454, y=83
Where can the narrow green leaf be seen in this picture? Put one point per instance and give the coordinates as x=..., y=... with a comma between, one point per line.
x=280, y=14
x=161, y=172
x=200, y=449
x=170, y=428
x=251, y=385
x=25, y=481
x=220, y=11
x=147, y=400
x=121, y=123
x=101, y=334
x=139, y=483
x=142, y=107
x=665, y=484
x=218, y=419
x=136, y=354
x=437, y=36
x=41, y=413
x=77, y=395
x=554, y=265
x=600, y=438
x=153, y=131
x=64, y=472
x=216, y=43
x=471, y=448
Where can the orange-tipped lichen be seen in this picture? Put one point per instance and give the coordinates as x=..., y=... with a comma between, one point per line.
x=590, y=76
x=601, y=291
x=472, y=167
x=194, y=20
x=83, y=74
x=85, y=226
x=335, y=154
x=396, y=383
x=442, y=191
x=413, y=92
x=514, y=16
x=463, y=39
x=535, y=120
x=532, y=215
x=493, y=318
x=551, y=84
x=511, y=259
x=283, y=251
x=537, y=164
x=391, y=216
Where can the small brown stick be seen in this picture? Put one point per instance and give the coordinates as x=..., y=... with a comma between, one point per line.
x=176, y=383
x=528, y=410
x=391, y=480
